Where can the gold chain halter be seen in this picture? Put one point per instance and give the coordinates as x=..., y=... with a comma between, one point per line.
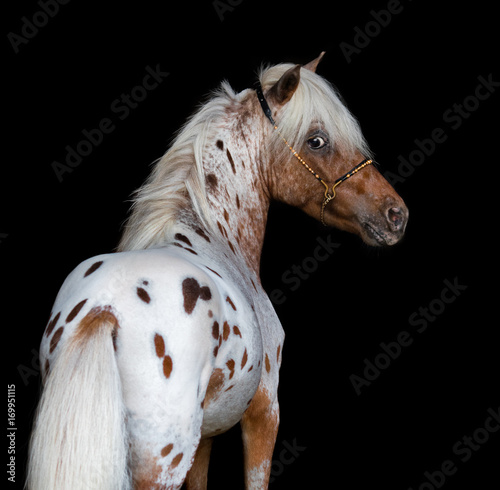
x=328, y=196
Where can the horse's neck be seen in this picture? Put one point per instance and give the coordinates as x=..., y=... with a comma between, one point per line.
x=236, y=191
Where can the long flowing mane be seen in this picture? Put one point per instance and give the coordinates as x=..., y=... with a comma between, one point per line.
x=177, y=179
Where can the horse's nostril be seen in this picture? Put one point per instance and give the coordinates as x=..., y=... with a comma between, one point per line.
x=394, y=214
x=395, y=217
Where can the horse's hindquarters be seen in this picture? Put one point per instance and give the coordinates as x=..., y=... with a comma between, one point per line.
x=187, y=347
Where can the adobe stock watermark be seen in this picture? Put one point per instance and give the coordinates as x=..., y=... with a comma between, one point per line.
x=419, y=320
x=26, y=372
x=463, y=450
x=121, y=109
x=454, y=117
x=287, y=456
x=30, y=27
x=364, y=35
x=223, y=6
x=294, y=276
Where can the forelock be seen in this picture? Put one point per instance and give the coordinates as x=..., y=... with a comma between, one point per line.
x=315, y=103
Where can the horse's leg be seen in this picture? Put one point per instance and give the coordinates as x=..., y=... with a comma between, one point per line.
x=197, y=476
x=163, y=392
x=163, y=445
x=259, y=428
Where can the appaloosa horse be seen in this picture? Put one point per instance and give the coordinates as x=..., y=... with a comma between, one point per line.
x=151, y=352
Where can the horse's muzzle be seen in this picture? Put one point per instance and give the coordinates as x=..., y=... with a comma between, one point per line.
x=386, y=228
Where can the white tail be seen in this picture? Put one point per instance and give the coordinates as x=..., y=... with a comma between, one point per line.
x=80, y=440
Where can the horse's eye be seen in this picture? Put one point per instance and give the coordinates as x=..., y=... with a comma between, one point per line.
x=316, y=142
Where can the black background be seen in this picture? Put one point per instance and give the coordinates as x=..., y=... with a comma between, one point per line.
x=399, y=86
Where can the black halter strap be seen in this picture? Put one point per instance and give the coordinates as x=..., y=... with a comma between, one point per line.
x=327, y=196
x=263, y=103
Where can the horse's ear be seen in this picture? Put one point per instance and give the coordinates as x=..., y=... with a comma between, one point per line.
x=282, y=91
x=312, y=65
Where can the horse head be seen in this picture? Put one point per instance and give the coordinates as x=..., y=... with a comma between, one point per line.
x=320, y=161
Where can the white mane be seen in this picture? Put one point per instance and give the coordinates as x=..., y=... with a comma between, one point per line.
x=177, y=179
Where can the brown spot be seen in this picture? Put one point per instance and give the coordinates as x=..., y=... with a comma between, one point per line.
x=142, y=293
x=216, y=350
x=167, y=366
x=220, y=144
x=210, y=314
x=190, y=250
x=93, y=268
x=230, y=366
x=231, y=246
x=75, y=311
x=215, y=330
x=55, y=339
x=215, y=272
x=211, y=181
x=191, y=291
x=159, y=345
x=214, y=385
x=278, y=353
x=166, y=450
x=205, y=293
x=244, y=360
x=226, y=215
x=237, y=201
x=231, y=161
x=225, y=331
x=227, y=389
x=52, y=324
x=222, y=229
x=228, y=299
x=183, y=238
x=268, y=364
x=175, y=462
x=236, y=331
x=250, y=368
x=202, y=233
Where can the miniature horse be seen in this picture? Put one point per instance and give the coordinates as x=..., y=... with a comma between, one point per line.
x=151, y=352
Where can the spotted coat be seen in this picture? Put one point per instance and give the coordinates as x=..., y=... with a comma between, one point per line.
x=192, y=334
x=188, y=343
